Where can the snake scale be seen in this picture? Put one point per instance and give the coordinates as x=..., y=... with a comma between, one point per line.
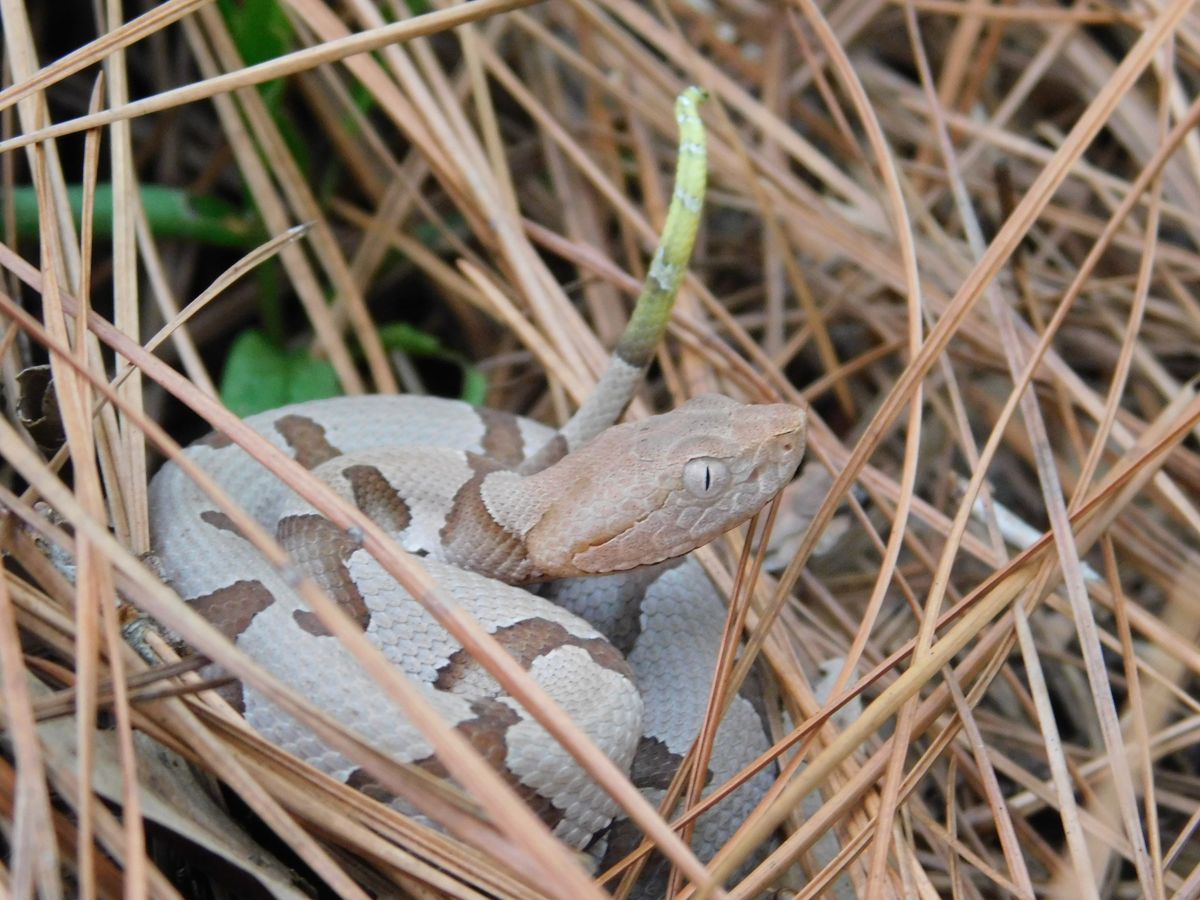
x=624, y=628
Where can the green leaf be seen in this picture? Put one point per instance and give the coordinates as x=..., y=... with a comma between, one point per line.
x=172, y=212
x=474, y=386
x=260, y=29
x=408, y=339
x=415, y=342
x=259, y=375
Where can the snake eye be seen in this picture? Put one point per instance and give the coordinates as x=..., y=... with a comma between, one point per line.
x=705, y=477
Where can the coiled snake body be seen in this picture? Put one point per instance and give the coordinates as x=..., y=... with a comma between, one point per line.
x=493, y=501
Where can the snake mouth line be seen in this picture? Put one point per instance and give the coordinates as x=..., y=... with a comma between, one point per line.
x=608, y=539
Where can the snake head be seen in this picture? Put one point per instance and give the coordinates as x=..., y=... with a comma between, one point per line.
x=648, y=491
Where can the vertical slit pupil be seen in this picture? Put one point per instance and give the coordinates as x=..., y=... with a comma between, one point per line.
x=707, y=477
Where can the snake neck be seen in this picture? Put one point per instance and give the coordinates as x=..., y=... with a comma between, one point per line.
x=498, y=517
x=491, y=516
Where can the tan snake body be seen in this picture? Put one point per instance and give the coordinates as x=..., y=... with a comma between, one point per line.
x=493, y=501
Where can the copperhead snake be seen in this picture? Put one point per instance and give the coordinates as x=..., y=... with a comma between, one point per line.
x=493, y=502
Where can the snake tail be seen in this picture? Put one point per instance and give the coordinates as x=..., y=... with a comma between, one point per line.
x=653, y=309
x=648, y=322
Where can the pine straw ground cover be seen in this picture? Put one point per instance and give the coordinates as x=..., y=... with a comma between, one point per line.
x=965, y=233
